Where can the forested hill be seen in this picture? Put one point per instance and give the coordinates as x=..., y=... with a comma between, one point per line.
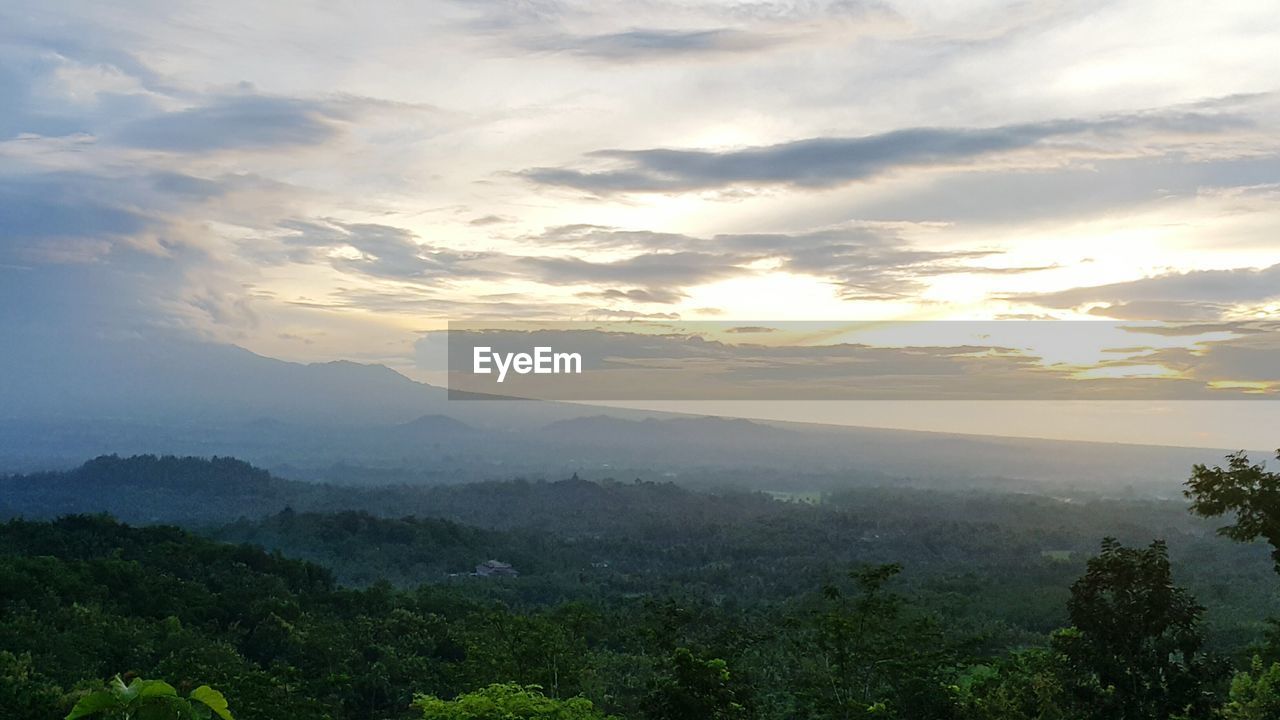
x=147, y=488
x=364, y=549
x=631, y=594
x=999, y=562
x=85, y=597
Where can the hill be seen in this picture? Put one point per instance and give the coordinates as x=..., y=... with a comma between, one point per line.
x=191, y=398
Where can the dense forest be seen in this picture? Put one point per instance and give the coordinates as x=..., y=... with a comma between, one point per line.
x=638, y=600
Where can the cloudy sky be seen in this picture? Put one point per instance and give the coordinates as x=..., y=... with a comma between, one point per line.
x=316, y=181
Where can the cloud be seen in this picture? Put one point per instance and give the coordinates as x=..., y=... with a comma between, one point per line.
x=588, y=236
x=1160, y=309
x=59, y=87
x=864, y=261
x=377, y=250
x=638, y=295
x=115, y=253
x=628, y=360
x=235, y=122
x=420, y=301
x=658, y=270
x=1066, y=192
x=825, y=162
x=224, y=308
x=44, y=216
x=395, y=253
x=145, y=181
x=657, y=44
x=868, y=261
x=868, y=272
x=674, y=31
x=488, y=220
x=1195, y=295
x=1251, y=354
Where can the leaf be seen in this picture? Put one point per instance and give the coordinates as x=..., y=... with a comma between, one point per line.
x=127, y=693
x=92, y=703
x=155, y=688
x=213, y=699
x=165, y=707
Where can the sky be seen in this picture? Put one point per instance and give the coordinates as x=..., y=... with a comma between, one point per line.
x=319, y=181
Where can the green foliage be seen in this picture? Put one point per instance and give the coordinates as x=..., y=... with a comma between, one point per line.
x=867, y=654
x=1135, y=650
x=150, y=700
x=1022, y=686
x=366, y=549
x=709, y=605
x=1248, y=491
x=24, y=693
x=694, y=688
x=507, y=701
x=1255, y=695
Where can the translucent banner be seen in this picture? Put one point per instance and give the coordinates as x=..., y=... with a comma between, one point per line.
x=826, y=360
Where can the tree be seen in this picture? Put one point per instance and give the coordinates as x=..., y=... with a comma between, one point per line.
x=1024, y=685
x=24, y=693
x=507, y=702
x=695, y=689
x=1249, y=491
x=867, y=655
x=1255, y=695
x=150, y=700
x=1135, y=649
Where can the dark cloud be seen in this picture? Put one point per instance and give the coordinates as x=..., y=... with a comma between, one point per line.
x=1250, y=355
x=657, y=270
x=1200, y=294
x=38, y=211
x=828, y=162
x=615, y=314
x=653, y=296
x=394, y=253
x=489, y=220
x=1161, y=309
x=1000, y=197
x=235, y=122
x=867, y=262
x=116, y=255
x=588, y=236
x=383, y=251
x=188, y=186
x=876, y=271
x=1179, y=328
x=657, y=44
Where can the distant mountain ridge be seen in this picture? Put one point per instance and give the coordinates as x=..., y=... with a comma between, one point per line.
x=195, y=398
x=605, y=429
x=213, y=382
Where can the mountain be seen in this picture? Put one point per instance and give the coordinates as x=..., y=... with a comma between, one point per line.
x=434, y=425
x=357, y=423
x=608, y=430
x=175, y=379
